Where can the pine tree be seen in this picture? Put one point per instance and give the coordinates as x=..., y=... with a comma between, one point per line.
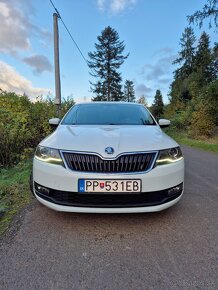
x=187, y=53
x=203, y=61
x=215, y=60
x=193, y=97
x=105, y=62
x=180, y=92
x=210, y=10
x=129, y=92
x=158, y=105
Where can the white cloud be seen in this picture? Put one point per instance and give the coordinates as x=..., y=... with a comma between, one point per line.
x=101, y=4
x=115, y=6
x=11, y=80
x=16, y=26
x=14, y=29
x=4, y=10
x=120, y=5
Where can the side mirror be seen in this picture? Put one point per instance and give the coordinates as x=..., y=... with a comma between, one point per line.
x=163, y=123
x=54, y=122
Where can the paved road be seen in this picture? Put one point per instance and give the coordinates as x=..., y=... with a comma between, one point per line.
x=174, y=249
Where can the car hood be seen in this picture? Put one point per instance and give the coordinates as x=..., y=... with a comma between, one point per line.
x=96, y=138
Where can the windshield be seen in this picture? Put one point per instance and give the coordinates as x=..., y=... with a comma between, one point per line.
x=108, y=114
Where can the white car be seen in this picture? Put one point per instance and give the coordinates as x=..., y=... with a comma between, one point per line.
x=108, y=157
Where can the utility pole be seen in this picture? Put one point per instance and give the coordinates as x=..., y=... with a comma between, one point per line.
x=57, y=67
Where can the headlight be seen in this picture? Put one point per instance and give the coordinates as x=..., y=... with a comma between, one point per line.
x=169, y=156
x=48, y=155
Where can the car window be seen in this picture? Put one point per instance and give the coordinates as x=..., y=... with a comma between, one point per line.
x=108, y=114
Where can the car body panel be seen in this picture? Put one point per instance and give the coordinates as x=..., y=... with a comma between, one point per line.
x=60, y=178
x=108, y=210
x=121, y=138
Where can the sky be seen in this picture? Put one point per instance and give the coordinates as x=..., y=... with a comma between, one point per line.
x=150, y=29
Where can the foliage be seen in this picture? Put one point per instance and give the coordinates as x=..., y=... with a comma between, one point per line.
x=104, y=63
x=186, y=54
x=194, y=91
x=157, y=107
x=205, y=116
x=202, y=126
x=203, y=62
x=181, y=119
x=210, y=10
x=23, y=124
x=180, y=91
x=142, y=100
x=129, y=92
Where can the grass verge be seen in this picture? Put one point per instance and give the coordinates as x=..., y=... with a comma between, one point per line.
x=210, y=144
x=14, y=192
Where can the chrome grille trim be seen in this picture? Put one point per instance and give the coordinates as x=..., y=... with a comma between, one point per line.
x=124, y=163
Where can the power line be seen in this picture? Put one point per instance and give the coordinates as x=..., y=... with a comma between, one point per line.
x=65, y=26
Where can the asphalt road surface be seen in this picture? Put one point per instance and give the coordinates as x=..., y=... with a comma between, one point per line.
x=173, y=249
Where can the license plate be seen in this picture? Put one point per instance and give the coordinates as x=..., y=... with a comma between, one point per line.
x=109, y=185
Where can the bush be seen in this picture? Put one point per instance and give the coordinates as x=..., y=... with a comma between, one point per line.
x=199, y=116
x=202, y=122
x=205, y=116
x=24, y=124
x=182, y=119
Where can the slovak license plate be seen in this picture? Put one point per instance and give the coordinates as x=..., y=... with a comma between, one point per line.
x=109, y=185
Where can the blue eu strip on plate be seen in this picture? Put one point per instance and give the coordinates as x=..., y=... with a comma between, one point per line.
x=81, y=185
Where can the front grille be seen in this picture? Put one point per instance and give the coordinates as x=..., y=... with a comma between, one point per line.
x=139, y=162
x=119, y=200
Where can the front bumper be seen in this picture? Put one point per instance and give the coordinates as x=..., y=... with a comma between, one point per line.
x=65, y=197
x=155, y=208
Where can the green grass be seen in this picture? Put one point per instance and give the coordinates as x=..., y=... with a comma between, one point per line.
x=14, y=192
x=210, y=145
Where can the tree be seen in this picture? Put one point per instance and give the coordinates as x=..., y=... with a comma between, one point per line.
x=203, y=61
x=186, y=54
x=215, y=60
x=129, y=92
x=180, y=91
x=104, y=63
x=210, y=10
x=158, y=105
x=193, y=105
x=142, y=100
x=204, y=119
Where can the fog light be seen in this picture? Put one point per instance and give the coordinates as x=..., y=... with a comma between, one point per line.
x=174, y=190
x=42, y=189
